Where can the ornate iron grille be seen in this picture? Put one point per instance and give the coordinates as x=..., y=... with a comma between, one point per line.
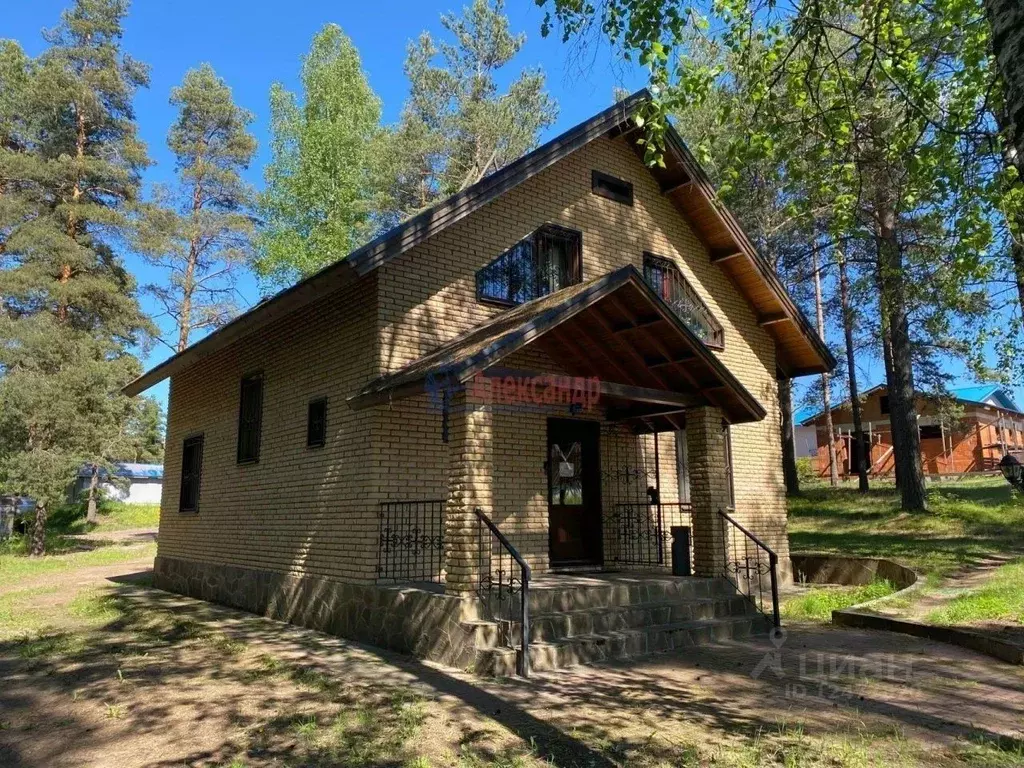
x=410, y=546
x=668, y=282
x=643, y=531
x=751, y=566
x=503, y=587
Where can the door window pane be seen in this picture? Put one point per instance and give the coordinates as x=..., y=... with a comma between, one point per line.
x=566, y=474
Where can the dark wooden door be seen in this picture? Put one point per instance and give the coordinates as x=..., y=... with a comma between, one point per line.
x=574, y=492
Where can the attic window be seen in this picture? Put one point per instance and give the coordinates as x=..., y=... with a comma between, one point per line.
x=546, y=261
x=668, y=282
x=615, y=189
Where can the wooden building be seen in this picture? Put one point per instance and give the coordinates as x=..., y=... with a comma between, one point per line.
x=969, y=432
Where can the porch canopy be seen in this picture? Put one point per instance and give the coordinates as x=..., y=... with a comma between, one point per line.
x=650, y=366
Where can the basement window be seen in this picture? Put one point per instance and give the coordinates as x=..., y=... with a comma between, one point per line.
x=548, y=260
x=603, y=185
x=250, y=418
x=316, y=424
x=191, y=474
x=668, y=282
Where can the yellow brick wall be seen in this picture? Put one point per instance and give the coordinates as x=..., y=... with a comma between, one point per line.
x=299, y=509
x=428, y=296
x=315, y=510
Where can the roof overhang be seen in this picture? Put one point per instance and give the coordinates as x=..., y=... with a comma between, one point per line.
x=613, y=328
x=800, y=350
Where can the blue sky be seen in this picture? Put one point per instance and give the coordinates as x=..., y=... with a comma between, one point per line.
x=254, y=43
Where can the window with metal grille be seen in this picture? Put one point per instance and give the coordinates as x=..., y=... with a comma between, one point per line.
x=316, y=424
x=545, y=262
x=668, y=282
x=191, y=474
x=610, y=187
x=250, y=418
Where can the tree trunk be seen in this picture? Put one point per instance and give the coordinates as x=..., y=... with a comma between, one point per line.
x=1006, y=18
x=38, y=545
x=826, y=394
x=789, y=472
x=1014, y=222
x=860, y=454
x=893, y=435
x=92, y=514
x=902, y=407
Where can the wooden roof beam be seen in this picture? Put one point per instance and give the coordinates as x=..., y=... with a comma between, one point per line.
x=772, y=319
x=721, y=255
x=668, y=189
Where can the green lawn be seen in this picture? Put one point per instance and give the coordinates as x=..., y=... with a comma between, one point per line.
x=15, y=567
x=1001, y=598
x=817, y=603
x=967, y=522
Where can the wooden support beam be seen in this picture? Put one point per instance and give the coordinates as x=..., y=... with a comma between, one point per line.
x=721, y=255
x=628, y=414
x=663, y=361
x=778, y=317
x=636, y=325
x=675, y=401
x=668, y=189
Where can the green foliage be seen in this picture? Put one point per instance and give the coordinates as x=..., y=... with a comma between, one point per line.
x=319, y=202
x=199, y=232
x=457, y=127
x=70, y=162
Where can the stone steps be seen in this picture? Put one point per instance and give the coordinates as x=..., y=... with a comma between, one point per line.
x=618, y=618
x=623, y=644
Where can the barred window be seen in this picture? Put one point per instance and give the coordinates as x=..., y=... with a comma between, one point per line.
x=316, y=424
x=191, y=474
x=545, y=262
x=250, y=418
x=668, y=282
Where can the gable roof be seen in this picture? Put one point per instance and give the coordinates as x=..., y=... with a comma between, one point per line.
x=801, y=351
x=542, y=320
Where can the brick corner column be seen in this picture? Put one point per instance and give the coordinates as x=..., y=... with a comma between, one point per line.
x=709, y=487
x=470, y=473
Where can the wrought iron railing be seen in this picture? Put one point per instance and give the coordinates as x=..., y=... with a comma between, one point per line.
x=504, y=586
x=748, y=564
x=642, y=531
x=410, y=546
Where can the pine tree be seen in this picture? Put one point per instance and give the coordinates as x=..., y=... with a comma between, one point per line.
x=200, y=232
x=456, y=126
x=69, y=307
x=319, y=203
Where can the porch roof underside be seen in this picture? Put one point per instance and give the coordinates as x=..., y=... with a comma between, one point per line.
x=652, y=367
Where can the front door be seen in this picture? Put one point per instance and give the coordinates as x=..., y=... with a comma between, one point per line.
x=574, y=492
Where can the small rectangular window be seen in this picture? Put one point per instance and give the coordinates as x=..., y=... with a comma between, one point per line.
x=883, y=403
x=191, y=474
x=547, y=261
x=250, y=418
x=930, y=432
x=316, y=424
x=610, y=187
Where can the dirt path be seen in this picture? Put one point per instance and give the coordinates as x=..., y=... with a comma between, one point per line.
x=69, y=579
x=209, y=686
x=126, y=536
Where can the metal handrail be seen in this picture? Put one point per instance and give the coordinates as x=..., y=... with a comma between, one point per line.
x=523, y=663
x=735, y=566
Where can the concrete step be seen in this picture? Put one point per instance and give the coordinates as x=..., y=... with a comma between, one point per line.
x=624, y=591
x=621, y=644
x=596, y=621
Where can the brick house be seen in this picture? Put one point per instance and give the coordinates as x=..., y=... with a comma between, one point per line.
x=567, y=360
x=983, y=425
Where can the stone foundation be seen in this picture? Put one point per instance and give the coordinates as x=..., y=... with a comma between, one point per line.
x=416, y=621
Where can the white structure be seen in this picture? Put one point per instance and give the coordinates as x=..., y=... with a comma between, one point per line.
x=144, y=483
x=805, y=438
